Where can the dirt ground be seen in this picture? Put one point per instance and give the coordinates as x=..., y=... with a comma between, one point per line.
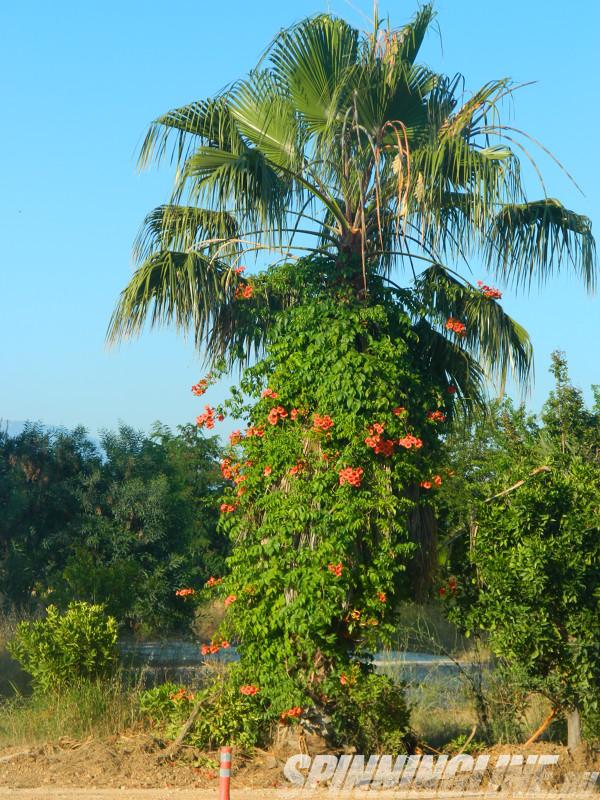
x=57, y=793
x=129, y=767
x=130, y=762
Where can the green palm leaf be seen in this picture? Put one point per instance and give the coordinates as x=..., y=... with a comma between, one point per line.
x=451, y=365
x=530, y=241
x=314, y=62
x=411, y=36
x=181, y=228
x=207, y=122
x=498, y=343
x=246, y=182
x=170, y=287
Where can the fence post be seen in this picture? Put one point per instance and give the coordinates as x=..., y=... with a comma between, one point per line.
x=224, y=773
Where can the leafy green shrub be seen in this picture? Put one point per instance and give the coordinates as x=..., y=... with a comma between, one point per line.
x=371, y=713
x=158, y=704
x=464, y=744
x=591, y=727
x=64, y=648
x=228, y=715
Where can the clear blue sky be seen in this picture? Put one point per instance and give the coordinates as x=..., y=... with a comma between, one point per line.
x=80, y=82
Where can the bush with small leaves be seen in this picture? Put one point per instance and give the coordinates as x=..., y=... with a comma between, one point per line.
x=61, y=649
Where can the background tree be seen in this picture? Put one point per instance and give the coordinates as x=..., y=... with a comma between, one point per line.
x=40, y=508
x=123, y=523
x=532, y=581
x=149, y=526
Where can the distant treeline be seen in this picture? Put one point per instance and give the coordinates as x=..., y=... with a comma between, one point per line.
x=124, y=522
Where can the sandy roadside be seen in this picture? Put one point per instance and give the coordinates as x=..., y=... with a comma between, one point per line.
x=58, y=793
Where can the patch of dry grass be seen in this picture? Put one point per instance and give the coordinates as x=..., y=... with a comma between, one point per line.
x=98, y=709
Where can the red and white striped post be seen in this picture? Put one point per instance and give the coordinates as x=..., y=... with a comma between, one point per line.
x=224, y=773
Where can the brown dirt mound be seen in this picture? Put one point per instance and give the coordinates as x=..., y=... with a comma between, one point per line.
x=125, y=761
x=132, y=762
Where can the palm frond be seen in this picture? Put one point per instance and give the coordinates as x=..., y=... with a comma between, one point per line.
x=450, y=365
x=169, y=287
x=411, y=36
x=528, y=242
x=207, y=122
x=451, y=167
x=478, y=107
x=314, y=60
x=180, y=228
x=265, y=116
x=246, y=182
x=499, y=343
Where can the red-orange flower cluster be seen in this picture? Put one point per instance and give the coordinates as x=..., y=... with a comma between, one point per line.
x=206, y=420
x=213, y=582
x=230, y=599
x=455, y=325
x=489, y=291
x=185, y=592
x=270, y=394
x=398, y=411
x=351, y=475
x=227, y=508
x=228, y=469
x=181, y=694
x=244, y=291
x=275, y=414
x=382, y=597
x=409, y=441
x=211, y=649
x=239, y=270
x=297, y=468
x=267, y=471
x=384, y=447
x=435, y=481
x=249, y=689
x=451, y=586
x=336, y=569
x=199, y=388
x=254, y=430
x=436, y=416
x=235, y=437
x=322, y=423
x=291, y=713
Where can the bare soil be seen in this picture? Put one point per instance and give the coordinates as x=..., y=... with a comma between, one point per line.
x=130, y=767
x=131, y=762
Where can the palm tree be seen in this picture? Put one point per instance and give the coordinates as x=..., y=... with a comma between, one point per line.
x=340, y=144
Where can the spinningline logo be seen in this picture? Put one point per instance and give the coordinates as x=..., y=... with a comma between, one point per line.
x=424, y=775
